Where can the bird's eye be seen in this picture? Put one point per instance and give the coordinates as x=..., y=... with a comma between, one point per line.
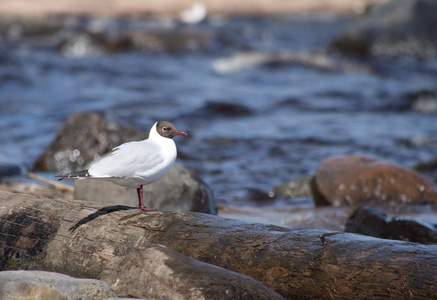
x=164, y=128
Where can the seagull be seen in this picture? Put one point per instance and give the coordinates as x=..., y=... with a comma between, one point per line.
x=135, y=164
x=193, y=15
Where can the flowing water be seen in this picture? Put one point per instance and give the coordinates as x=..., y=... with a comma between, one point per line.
x=254, y=119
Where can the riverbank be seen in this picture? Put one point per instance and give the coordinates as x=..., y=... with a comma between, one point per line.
x=172, y=7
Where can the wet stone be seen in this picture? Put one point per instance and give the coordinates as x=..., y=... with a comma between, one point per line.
x=15, y=27
x=258, y=197
x=83, y=138
x=179, y=190
x=215, y=109
x=82, y=44
x=368, y=221
x=293, y=188
x=9, y=169
x=428, y=166
x=169, y=40
x=396, y=28
x=355, y=180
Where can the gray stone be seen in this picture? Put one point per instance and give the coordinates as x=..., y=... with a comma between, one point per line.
x=86, y=136
x=179, y=190
x=293, y=188
x=14, y=27
x=42, y=285
x=173, y=40
x=368, y=221
x=83, y=138
x=396, y=28
x=9, y=169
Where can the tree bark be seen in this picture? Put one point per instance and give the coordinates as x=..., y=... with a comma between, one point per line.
x=79, y=238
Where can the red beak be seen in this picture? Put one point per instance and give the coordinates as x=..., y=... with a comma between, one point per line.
x=181, y=133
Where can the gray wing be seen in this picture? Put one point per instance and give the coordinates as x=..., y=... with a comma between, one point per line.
x=128, y=160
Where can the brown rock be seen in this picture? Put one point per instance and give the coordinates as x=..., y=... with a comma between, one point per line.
x=353, y=180
x=82, y=139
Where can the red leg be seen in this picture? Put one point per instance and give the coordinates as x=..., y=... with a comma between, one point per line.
x=140, y=199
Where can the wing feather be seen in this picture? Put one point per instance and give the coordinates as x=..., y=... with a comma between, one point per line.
x=134, y=159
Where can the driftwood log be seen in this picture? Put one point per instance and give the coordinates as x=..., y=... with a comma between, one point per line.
x=82, y=239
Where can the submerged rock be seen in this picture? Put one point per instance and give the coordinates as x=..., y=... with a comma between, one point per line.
x=293, y=188
x=84, y=35
x=427, y=166
x=82, y=45
x=368, y=221
x=179, y=190
x=354, y=180
x=87, y=43
x=396, y=28
x=84, y=137
x=9, y=169
x=174, y=40
x=220, y=109
x=16, y=27
x=246, y=60
x=50, y=285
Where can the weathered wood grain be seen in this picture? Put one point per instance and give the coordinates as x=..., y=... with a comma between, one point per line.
x=81, y=239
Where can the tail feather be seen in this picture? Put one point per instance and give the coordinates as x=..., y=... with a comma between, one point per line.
x=74, y=175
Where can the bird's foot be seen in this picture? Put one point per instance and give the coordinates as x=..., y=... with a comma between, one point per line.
x=147, y=208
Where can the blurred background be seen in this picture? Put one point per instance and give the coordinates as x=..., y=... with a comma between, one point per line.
x=266, y=90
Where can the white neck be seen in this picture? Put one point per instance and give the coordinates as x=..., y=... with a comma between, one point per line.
x=153, y=134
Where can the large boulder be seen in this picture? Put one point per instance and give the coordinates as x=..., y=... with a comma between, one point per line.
x=84, y=137
x=27, y=285
x=353, y=180
x=368, y=221
x=179, y=190
x=396, y=28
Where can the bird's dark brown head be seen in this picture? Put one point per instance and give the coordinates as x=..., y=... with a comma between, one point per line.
x=166, y=129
